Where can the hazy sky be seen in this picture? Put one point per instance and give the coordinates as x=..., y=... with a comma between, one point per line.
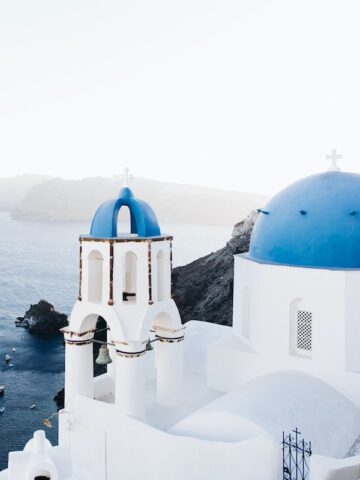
x=238, y=94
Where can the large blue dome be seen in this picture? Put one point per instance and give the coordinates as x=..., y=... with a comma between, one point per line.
x=142, y=217
x=314, y=222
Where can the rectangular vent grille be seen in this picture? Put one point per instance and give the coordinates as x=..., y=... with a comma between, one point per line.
x=304, y=331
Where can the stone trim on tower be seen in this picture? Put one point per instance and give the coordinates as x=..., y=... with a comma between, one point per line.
x=171, y=269
x=150, y=273
x=127, y=240
x=111, y=274
x=80, y=272
x=130, y=349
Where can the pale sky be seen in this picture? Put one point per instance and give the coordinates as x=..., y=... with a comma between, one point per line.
x=238, y=94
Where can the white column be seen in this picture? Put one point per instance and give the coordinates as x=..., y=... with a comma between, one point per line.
x=64, y=428
x=170, y=368
x=130, y=379
x=79, y=378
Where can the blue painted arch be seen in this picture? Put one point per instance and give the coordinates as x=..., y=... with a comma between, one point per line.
x=314, y=222
x=142, y=217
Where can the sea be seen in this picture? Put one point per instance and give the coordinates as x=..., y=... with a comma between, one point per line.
x=39, y=260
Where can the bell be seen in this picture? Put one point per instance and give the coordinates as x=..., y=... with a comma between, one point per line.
x=103, y=357
x=149, y=346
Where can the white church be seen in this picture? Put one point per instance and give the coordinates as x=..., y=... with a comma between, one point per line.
x=207, y=402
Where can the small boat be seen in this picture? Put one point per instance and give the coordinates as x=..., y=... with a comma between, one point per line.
x=32, y=406
x=11, y=364
x=7, y=357
x=2, y=410
x=13, y=349
x=2, y=389
x=47, y=422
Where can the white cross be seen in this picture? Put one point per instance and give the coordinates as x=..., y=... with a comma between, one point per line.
x=334, y=156
x=126, y=176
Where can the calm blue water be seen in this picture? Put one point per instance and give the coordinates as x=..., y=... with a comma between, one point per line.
x=40, y=260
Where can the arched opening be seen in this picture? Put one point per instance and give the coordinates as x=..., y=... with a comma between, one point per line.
x=90, y=371
x=95, y=276
x=301, y=329
x=100, y=335
x=130, y=278
x=104, y=359
x=245, y=314
x=124, y=222
x=42, y=477
x=161, y=276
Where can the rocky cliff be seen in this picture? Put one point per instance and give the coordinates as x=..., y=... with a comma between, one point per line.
x=203, y=289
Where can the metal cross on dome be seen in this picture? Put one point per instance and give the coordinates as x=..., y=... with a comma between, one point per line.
x=126, y=176
x=334, y=156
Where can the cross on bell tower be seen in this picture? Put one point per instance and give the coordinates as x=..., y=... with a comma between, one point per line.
x=334, y=156
x=126, y=176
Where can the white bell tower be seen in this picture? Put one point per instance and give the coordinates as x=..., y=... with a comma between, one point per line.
x=126, y=279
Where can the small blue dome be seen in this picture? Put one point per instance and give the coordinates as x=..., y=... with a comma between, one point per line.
x=142, y=217
x=314, y=222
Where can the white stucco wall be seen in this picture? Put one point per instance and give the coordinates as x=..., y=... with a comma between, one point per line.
x=325, y=468
x=352, y=321
x=113, y=446
x=264, y=300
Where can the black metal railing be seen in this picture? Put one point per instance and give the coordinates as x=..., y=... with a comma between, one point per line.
x=296, y=456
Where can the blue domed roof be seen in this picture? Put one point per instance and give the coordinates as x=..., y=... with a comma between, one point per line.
x=143, y=219
x=314, y=222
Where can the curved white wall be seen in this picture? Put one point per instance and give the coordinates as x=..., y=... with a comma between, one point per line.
x=137, y=450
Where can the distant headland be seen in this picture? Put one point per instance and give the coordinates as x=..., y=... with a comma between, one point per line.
x=38, y=198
